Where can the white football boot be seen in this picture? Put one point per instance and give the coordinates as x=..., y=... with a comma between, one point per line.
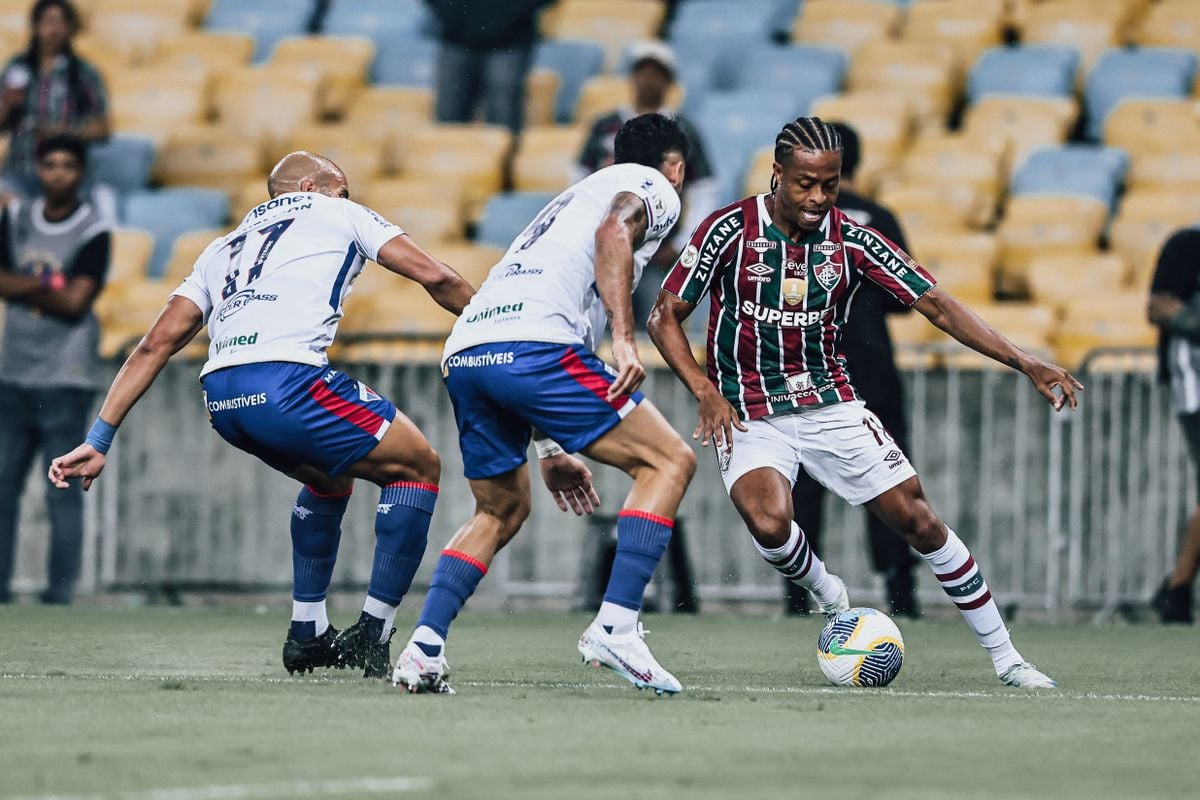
x=416, y=672
x=842, y=603
x=1027, y=676
x=628, y=656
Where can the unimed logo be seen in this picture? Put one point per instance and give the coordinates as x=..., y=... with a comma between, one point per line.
x=237, y=341
x=495, y=311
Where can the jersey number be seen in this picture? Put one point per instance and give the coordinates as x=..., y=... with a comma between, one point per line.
x=236, y=246
x=537, y=229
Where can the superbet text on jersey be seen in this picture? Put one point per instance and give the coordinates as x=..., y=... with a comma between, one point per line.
x=778, y=305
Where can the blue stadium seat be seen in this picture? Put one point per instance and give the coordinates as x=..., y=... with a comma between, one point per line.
x=386, y=22
x=1038, y=70
x=1073, y=169
x=122, y=163
x=267, y=21
x=736, y=125
x=575, y=62
x=700, y=25
x=506, y=215
x=407, y=61
x=808, y=70
x=166, y=213
x=1135, y=72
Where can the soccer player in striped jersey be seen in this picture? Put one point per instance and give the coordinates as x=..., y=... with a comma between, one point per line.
x=782, y=269
x=271, y=293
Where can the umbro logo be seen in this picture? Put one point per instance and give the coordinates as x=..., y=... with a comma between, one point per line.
x=759, y=269
x=892, y=456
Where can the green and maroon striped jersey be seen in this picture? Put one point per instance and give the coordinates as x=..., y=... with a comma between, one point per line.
x=778, y=305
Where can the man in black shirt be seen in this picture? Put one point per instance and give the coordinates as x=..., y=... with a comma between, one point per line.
x=1175, y=308
x=870, y=360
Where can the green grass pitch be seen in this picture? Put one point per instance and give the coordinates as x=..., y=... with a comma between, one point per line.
x=192, y=704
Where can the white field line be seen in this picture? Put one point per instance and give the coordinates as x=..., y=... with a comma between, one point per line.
x=254, y=791
x=1002, y=694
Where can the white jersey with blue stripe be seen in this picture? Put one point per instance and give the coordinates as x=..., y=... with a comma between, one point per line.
x=544, y=289
x=273, y=288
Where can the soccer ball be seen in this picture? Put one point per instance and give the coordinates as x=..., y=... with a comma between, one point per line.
x=860, y=647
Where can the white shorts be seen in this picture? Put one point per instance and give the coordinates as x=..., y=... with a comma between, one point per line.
x=843, y=446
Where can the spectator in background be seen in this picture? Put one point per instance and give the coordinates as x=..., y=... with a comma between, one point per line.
x=49, y=90
x=54, y=254
x=651, y=77
x=487, y=47
x=867, y=347
x=1175, y=308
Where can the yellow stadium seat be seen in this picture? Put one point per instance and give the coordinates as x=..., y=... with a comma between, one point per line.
x=423, y=208
x=126, y=310
x=1170, y=23
x=153, y=102
x=1168, y=171
x=251, y=193
x=883, y=121
x=910, y=329
x=1145, y=220
x=178, y=9
x=184, y=252
x=110, y=62
x=1025, y=123
x=404, y=309
x=604, y=93
x=215, y=157
x=1072, y=25
x=928, y=74
x=469, y=155
x=541, y=95
x=964, y=264
x=758, y=176
x=545, y=158
x=265, y=104
x=398, y=351
x=342, y=60
x=848, y=24
x=1144, y=126
x=938, y=207
x=948, y=161
x=361, y=159
x=472, y=261
x=613, y=24
x=136, y=30
x=1041, y=225
x=1113, y=321
x=1027, y=325
x=968, y=27
x=1057, y=281
x=390, y=115
x=208, y=51
x=131, y=249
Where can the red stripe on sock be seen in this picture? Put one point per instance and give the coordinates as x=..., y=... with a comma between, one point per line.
x=315, y=493
x=974, y=604
x=958, y=573
x=425, y=487
x=655, y=518
x=474, y=562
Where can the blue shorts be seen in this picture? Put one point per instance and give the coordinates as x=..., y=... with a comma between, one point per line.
x=502, y=390
x=290, y=415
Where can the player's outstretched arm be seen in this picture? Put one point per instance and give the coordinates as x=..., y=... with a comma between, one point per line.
x=967, y=327
x=619, y=234
x=405, y=257
x=717, y=416
x=177, y=325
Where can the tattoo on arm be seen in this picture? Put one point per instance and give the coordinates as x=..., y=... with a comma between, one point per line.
x=630, y=211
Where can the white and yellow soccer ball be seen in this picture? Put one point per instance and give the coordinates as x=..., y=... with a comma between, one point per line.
x=860, y=647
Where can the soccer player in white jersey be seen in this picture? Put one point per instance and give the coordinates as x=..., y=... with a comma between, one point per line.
x=520, y=359
x=271, y=292
x=782, y=269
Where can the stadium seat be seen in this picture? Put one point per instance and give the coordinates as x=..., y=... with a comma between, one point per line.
x=389, y=115
x=404, y=310
x=428, y=210
x=206, y=50
x=1027, y=325
x=1143, y=127
x=137, y=30
x=386, y=22
x=1111, y=321
x=845, y=24
x=603, y=93
x=1143, y=223
x=1135, y=73
x=1073, y=170
x=1067, y=25
x=1170, y=24
x=541, y=97
x=546, y=157
x=126, y=310
x=883, y=121
x=612, y=24
x=131, y=250
x=808, y=71
x=1036, y=226
x=956, y=161
x=122, y=162
x=1172, y=170
x=213, y=157
x=265, y=104
x=936, y=207
x=267, y=21
x=360, y=158
x=967, y=27
x=701, y=25
x=1058, y=280
x=506, y=215
x=1027, y=124
x=964, y=262
x=413, y=63
x=472, y=261
x=185, y=250
x=471, y=156
x=1036, y=70
x=153, y=102
x=736, y=125
x=166, y=213
x=927, y=73
x=344, y=62
x=574, y=62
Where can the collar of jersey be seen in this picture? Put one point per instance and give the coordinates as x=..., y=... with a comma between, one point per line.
x=771, y=229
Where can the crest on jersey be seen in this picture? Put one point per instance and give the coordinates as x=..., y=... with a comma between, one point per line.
x=691, y=254
x=828, y=274
x=794, y=290
x=761, y=245
x=366, y=394
x=800, y=383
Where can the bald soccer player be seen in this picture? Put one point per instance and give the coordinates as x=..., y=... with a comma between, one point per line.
x=271, y=292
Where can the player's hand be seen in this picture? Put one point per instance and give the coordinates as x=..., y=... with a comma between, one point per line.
x=84, y=462
x=717, y=421
x=630, y=372
x=570, y=482
x=1046, y=377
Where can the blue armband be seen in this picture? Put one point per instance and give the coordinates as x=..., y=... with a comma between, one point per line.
x=101, y=435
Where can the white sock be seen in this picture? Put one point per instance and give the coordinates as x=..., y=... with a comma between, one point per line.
x=797, y=562
x=617, y=619
x=960, y=578
x=381, y=610
x=427, y=635
x=311, y=612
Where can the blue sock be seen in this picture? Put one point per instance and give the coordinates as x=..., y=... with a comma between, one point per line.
x=401, y=532
x=316, y=532
x=641, y=541
x=454, y=580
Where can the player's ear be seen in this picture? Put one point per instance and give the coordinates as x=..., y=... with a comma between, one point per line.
x=308, y=185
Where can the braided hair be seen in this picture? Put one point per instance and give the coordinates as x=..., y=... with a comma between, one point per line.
x=806, y=133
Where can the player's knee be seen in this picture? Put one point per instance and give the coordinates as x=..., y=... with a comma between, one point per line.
x=925, y=532
x=682, y=462
x=770, y=526
x=429, y=467
x=510, y=512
